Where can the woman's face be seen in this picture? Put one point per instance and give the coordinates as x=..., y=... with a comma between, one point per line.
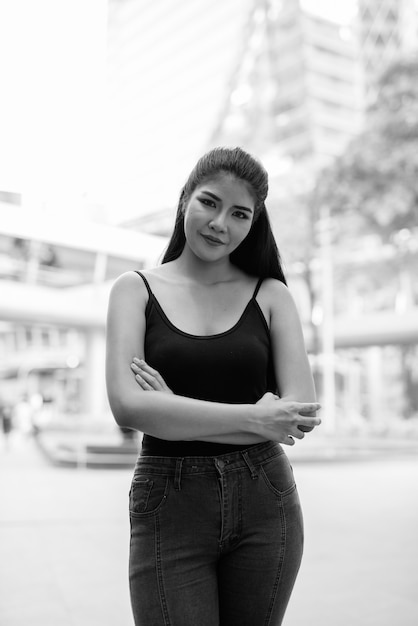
x=218, y=217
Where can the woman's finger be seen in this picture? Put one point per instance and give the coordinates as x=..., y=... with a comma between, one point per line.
x=308, y=422
x=149, y=375
x=289, y=441
x=150, y=379
x=298, y=433
x=144, y=367
x=306, y=408
x=143, y=383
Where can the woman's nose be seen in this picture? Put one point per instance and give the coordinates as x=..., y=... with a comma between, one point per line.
x=218, y=223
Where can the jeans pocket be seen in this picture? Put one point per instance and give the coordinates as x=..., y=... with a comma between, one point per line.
x=147, y=494
x=278, y=475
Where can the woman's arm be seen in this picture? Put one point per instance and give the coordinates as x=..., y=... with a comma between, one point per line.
x=293, y=373
x=173, y=417
x=162, y=415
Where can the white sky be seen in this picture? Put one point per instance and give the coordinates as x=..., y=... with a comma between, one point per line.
x=53, y=106
x=341, y=11
x=51, y=81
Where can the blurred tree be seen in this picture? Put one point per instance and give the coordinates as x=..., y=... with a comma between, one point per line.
x=371, y=192
x=373, y=187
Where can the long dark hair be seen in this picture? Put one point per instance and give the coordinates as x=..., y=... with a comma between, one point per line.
x=258, y=254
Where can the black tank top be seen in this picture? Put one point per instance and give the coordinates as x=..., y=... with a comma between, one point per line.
x=234, y=367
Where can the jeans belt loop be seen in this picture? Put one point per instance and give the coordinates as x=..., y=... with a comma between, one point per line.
x=177, y=475
x=250, y=465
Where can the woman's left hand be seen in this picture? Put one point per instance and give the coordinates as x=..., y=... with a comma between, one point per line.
x=147, y=377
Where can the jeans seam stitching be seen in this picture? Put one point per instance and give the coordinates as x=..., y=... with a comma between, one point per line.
x=280, y=494
x=280, y=564
x=146, y=514
x=163, y=601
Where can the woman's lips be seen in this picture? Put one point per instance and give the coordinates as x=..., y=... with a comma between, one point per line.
x=213, y=241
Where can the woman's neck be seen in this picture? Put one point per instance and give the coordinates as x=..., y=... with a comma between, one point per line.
x=204, y=272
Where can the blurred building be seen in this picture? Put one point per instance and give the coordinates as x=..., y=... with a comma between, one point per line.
x=168, y=67
x=55, y=278
x=385, y=29
x=286, y=84
x=296, y=96
x=294, y=92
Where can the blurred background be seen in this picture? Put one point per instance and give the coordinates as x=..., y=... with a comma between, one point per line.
x=105, y=107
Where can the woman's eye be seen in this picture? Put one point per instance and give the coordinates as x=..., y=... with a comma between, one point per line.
x=241, y=215
x=207, y=202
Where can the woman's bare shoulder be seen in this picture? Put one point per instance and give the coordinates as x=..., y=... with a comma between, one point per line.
x=127, y=279
x=129, y=284
x=276, y=299
x=273, y=290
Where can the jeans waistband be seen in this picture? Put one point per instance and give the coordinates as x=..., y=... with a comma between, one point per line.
x=249, y=457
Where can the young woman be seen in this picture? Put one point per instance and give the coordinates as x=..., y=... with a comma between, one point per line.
x=205, y=356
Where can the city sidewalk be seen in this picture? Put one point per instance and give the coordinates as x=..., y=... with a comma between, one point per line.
x=96, y=449
x=64, y=537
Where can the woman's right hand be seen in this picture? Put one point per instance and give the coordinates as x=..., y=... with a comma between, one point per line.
x=147, y=377
x=283, y=420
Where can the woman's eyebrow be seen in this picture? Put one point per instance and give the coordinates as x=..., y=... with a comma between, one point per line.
x=212, y=195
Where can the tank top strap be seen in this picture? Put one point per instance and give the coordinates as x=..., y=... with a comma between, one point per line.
x=145, y=282
x=257, y=287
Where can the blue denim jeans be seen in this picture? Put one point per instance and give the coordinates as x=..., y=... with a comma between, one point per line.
x=215, y=541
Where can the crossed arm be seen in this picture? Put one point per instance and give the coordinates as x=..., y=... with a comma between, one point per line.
x=140, y=399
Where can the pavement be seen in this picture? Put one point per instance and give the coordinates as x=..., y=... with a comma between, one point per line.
x=64, y=538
